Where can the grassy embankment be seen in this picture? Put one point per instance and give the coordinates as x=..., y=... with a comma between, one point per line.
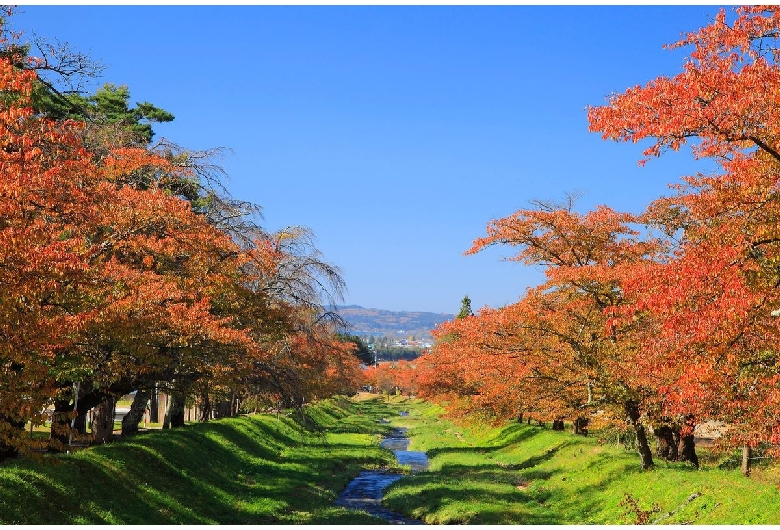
x=522, y=474
x=257, y=469
x=265, y=470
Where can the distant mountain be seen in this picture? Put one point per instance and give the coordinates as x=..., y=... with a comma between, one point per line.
x=399, y=324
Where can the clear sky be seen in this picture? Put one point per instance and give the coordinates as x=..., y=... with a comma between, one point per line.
x=395, y=133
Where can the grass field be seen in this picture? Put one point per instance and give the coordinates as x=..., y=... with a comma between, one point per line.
x=258, y=469
x=264, y=470
x=523, y=474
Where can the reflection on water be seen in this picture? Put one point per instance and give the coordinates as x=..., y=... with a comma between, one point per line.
x=366, y=490
x=397, y=442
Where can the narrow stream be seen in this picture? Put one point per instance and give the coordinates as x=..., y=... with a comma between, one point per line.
x=366, y=490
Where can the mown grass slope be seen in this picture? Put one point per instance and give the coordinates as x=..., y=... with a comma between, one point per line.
x=267, y=470
x=257, y=469
x=524, y=474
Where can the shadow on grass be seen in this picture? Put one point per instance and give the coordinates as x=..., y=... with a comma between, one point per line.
x=534, y=461
x=259, y=470
x=516, y=434
x=346, y=417
x=474, y=495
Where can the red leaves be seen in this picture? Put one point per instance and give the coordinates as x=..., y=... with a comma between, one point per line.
x=724, y=98
x=106, y=277
x=681, y=325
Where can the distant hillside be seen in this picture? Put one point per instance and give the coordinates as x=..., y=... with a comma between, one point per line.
x=399, y=324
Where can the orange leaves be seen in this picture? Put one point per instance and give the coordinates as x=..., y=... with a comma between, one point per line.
x=125, y=161
x=108, y=277
x=707, y=307
x=14, y=81
x=99, y=279
x=725, y=98
x=561, y=238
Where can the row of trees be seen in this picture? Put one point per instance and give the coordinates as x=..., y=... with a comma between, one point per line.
x=125, y=265
x=394, y=377
x=664, y=318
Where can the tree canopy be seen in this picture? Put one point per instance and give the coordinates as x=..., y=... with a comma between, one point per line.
x=125, y=265
x=661, y=319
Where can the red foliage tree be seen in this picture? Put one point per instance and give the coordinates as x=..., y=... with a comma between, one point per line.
x=109, y=282
x=555, y=353
x=713, y=298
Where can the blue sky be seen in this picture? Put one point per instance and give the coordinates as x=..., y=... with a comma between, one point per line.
x=396, y=133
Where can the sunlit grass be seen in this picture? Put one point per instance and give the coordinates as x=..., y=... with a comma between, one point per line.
x=249, y=470
x=268, y=470
x=523, y=474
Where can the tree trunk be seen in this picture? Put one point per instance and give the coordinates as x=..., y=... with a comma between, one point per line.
x=687, y=443
x=136, y=414
x=60, y=425
x=747, y=452
x=205, y=407
x=580, y=426
x=9, y=451
x=223, y=409
x=668, y=439
x=688, y=450
x=235, y=401
x=174, y=416
x=558, y=424
x=80, y=424
x=645, y=454
x=154, y=406
x=103, y=421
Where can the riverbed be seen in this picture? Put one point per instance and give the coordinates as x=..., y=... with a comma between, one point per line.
x=365, y=492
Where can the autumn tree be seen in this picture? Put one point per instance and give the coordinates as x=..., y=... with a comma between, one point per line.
x=556, y=352
x=103, y=282
x=126, y=265
x=393, y=377
x=715, y=295
x=362, y=352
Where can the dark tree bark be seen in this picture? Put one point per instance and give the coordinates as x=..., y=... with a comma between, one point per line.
x=688, y=444
x=223, y=409
x=136, y=413
x=103, y=421
x=9, y=451
x=205, y=407
x=174, y=416
x=60, y=425
x=558, y=424
x=645, y=454
x=235, y=402
x=668, y=438
x=88, y=398
x=80, y=424
x=154, y=406
x=580, y=426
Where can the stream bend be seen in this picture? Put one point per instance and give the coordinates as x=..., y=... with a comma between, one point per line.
x=365, y=492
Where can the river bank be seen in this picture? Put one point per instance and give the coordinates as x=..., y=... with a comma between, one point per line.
x=527, y=474
x=267, y=470
x=256, y=469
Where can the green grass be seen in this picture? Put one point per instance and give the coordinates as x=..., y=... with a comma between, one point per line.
x=258, y=470
x=521, y=474
x=268, y=470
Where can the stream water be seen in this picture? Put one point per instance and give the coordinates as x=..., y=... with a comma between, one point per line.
x=366, y=490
